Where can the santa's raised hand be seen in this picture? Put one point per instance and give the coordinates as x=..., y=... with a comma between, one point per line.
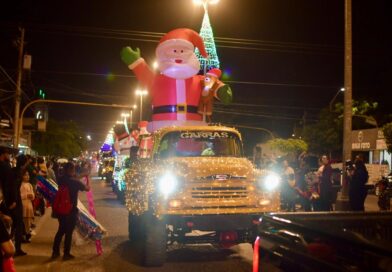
x=129, y=56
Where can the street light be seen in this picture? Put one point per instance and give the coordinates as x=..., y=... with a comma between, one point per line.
x=88, y=137
x=141, y=93
x=205, y=2
x=134, y=107
x=333, y=99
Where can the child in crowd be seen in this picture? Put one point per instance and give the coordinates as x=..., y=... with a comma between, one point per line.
x=27, y=195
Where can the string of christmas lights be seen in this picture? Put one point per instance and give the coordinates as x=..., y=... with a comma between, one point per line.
x=198, y=190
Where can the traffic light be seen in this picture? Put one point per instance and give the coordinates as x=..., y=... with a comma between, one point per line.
x=41, y=94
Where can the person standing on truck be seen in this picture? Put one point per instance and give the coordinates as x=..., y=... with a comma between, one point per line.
x=357, y=188
x=325, y=186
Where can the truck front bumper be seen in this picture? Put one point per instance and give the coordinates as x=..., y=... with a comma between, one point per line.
x=220, y=222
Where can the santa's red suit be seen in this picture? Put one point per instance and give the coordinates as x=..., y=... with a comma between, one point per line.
x=172, y=99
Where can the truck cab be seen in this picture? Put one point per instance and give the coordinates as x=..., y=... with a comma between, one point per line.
x=196, y=178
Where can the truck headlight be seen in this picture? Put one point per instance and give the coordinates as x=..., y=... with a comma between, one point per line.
x=167, y=184
x=270, y=182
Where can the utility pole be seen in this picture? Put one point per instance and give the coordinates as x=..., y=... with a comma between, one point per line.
x=18, y=91
x=342, y=204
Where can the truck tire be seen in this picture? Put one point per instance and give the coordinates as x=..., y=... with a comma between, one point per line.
x=155, y=241
x=135, y=228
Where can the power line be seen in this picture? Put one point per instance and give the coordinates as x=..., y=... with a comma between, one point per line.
x=158, y=35
x=225, y=42
x=280, y=84
x=13, y=82
x=6, y=91
x=262, y=115
x=80, y=73
x=269, y=106
x=218, y=44
x=104, y=96
x=226, y=81
x=6, y=98
x=8, y=76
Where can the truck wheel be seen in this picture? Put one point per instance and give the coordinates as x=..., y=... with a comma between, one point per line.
x=135, y=232
x=155, y=242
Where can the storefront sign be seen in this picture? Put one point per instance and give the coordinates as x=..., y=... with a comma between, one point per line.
x=367, y=139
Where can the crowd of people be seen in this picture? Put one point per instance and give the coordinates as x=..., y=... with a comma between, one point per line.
x=315, y=189
x=21, y=203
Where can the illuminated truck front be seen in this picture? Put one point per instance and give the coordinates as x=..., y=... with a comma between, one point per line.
x=205, y=172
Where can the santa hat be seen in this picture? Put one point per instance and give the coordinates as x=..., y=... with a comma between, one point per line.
x=214, y=72
x=182, y=36
x=143, y=127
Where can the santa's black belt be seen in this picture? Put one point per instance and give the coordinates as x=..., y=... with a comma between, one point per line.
x=174, y=109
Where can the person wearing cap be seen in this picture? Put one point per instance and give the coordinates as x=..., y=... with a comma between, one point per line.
x=176, y=90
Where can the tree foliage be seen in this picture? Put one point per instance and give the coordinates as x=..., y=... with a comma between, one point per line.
x=63, y=139
x=387, y=129
x=362, y=107
x=289, y=146
x=326, y=135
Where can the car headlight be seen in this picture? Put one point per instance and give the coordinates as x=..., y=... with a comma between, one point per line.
x=270, y=182
x=167, y=184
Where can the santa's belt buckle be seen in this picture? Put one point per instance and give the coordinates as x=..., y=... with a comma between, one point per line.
x=181, y=108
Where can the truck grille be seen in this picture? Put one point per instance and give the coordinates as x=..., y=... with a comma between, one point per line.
x=219, y=192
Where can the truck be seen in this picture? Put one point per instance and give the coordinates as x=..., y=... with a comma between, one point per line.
x=194, y=185
x=321, y=241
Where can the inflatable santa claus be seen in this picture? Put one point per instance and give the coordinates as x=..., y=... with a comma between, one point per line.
x=176, y=90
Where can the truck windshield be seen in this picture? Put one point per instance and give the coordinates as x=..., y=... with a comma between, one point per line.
x=200, y=144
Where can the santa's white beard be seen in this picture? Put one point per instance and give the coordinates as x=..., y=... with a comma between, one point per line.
x=184, y=70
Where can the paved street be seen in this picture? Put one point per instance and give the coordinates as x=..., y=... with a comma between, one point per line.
x=118, y=254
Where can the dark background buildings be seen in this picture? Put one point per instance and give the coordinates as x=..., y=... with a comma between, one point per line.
x=286, y=65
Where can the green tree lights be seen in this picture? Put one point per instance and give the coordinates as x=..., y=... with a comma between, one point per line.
x=208, y=38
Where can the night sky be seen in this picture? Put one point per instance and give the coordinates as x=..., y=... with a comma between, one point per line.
x=288, y=62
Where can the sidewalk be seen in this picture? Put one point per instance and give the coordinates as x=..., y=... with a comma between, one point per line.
x=39, y=250
x=371, y=203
